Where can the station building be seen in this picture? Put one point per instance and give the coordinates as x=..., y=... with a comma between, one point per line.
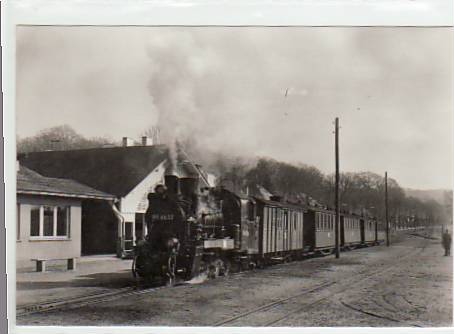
x=129, y=173
x=49, y=216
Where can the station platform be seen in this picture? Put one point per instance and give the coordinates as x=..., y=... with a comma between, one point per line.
x=93, y=274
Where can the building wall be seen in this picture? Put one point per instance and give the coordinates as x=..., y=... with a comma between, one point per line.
x=136, y=202
x=27, y=249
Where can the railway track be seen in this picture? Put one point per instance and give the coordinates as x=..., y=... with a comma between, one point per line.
x=285, y=307
x=80, y=301
x=277, y=311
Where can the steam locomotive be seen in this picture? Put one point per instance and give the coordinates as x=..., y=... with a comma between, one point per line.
x=194, y=230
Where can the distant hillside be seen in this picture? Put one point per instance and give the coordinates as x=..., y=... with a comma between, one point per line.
x=438, y=195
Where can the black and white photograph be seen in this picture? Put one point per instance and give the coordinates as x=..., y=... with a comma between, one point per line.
x=239, y=176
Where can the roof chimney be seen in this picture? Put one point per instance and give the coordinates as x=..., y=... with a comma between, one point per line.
x=128, y=142
x=147, y=141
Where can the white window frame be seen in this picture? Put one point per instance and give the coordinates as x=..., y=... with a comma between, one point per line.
x=41, y=235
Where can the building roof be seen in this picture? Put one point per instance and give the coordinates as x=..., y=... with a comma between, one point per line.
x=114, y=170
x=32, y=183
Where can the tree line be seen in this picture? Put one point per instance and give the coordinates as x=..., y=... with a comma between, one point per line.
x=60, y=138
x=360, y=192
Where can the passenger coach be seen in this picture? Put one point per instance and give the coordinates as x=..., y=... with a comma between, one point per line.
x=319, y=230
x=369, y=229
x=281, y=230
x=351, y=230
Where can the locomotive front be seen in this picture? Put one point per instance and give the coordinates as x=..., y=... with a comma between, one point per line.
x=173, y=245
x=155, y=257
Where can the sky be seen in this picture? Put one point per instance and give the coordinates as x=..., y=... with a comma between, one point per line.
x=253, y=91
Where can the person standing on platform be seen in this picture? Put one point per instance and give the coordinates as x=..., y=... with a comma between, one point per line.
x=446, y=242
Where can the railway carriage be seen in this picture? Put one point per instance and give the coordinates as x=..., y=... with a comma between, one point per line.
x=381, y=233
x=319, y=229
x=281, y=230
x=350, y=230
x=369, y=228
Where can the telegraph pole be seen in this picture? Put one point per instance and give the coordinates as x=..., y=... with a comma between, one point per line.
x=386, y=209
x=337, y=200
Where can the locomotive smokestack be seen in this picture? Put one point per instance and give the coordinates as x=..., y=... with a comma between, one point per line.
x=172, y=183
x=171, y=178
x=190, y=182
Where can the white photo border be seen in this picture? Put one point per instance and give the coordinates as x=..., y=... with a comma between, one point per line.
x=408, y=13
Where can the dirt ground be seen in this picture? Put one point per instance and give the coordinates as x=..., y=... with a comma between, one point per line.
x=407, y=284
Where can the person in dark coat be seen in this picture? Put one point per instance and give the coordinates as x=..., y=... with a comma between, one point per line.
x=446, y=242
